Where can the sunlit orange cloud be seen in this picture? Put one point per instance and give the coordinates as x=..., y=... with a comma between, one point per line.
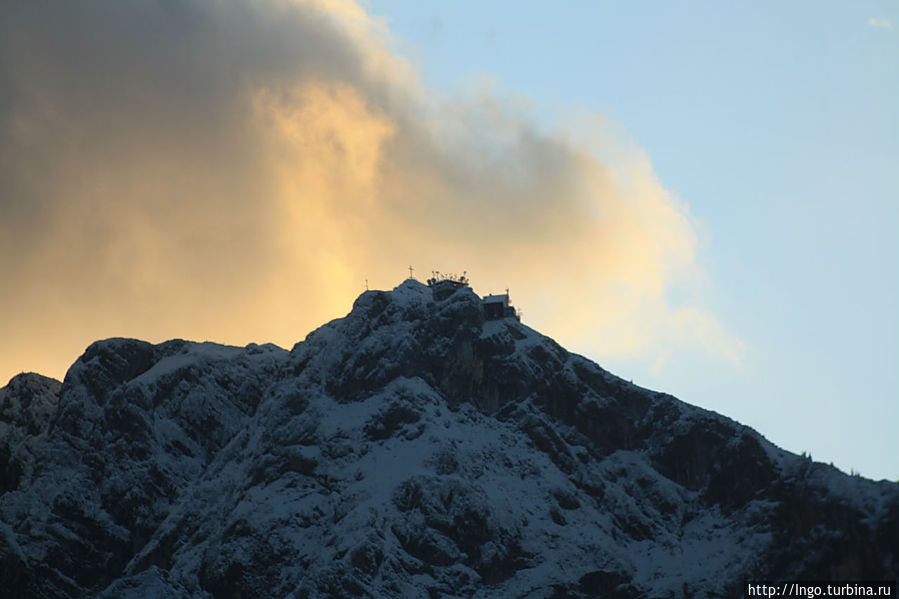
x=247, y=193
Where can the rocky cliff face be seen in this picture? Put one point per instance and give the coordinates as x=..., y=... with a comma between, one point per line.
x=410, y=449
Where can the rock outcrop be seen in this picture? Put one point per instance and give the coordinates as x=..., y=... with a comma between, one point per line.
x=410, y=449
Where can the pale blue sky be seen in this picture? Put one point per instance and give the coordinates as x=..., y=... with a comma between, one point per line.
x=778, y=125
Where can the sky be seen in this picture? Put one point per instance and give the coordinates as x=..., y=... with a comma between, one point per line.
x=701, y=197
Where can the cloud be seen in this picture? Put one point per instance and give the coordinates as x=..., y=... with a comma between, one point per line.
x=880, y=23
x=234, y=171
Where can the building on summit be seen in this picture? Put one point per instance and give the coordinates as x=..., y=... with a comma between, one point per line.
x=495, y=306
x=499, y=306
x=444, y=285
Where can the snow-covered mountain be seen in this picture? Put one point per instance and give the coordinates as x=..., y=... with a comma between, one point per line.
x=413, y=448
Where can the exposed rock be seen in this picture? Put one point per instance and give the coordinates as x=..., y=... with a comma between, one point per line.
x=410, y=449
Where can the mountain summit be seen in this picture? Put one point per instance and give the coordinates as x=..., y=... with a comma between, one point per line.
x=414, y=448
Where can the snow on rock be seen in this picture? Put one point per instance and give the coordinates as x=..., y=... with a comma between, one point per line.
x=410, y=449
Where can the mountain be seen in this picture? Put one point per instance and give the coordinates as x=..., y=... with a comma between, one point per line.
x=413, y=448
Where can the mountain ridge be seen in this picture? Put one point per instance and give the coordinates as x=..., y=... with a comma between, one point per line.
x=411, y=448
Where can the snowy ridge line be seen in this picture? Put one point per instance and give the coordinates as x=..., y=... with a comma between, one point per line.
x=413, y=448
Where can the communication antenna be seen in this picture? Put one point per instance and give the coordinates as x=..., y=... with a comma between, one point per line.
x=366, y=284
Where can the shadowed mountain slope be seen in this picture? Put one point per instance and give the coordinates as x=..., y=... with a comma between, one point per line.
x=411, y=449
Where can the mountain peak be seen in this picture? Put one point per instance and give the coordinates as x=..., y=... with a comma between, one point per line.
x=419, y=446
x=416, y=296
